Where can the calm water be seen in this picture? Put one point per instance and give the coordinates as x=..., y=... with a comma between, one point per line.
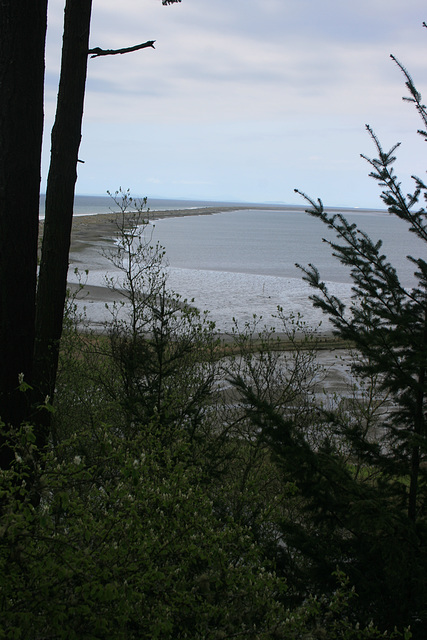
x=270, y=242
x=239, y=263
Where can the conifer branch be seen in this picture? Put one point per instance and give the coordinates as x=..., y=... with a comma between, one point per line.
x=415, y=96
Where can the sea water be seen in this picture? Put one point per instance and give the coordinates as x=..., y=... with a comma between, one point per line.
x=242, y=263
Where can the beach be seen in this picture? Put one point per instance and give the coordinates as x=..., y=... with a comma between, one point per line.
x=93, y=234
x=103, y=225
x=209, y=260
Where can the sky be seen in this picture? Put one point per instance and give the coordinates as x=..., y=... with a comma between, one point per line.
x=245, y=100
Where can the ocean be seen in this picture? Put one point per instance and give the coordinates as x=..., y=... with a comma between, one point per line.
x=240, y=263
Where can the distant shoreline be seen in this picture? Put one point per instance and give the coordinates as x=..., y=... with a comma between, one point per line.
x=94, y=230
x=100, y=226
x=101, y=218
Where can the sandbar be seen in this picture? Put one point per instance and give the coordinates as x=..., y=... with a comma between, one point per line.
x=90, y=233
x=104, y=225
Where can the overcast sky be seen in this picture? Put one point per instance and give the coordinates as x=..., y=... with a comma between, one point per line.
x=246, y=99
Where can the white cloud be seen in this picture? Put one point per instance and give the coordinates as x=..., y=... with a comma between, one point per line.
x=243, y=83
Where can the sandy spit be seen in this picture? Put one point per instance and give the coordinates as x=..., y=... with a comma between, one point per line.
x=104, y=225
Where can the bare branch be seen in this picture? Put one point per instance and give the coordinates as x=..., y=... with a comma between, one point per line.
x=112, y=52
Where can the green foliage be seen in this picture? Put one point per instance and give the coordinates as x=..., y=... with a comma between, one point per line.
x=329, y=618
x=157, y=510
x=128, y=547
x=375, y=521
x=155, y=364
x=357, y=464
x=285, y=380
x=131, y=547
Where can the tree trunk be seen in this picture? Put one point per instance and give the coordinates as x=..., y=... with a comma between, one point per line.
x=22, y=45
x=66, y=136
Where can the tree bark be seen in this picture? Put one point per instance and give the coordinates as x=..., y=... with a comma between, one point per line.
x=113, y=52
x=66, y=136
x=22, y=45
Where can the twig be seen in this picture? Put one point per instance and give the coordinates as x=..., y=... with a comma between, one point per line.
x=112, y=52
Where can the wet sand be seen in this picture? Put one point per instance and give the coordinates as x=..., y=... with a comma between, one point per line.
x=91, y=233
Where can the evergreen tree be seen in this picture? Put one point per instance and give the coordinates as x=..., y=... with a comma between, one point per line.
x=22, y=41
x=387, y=322
x=363, y=493
x=30, y=320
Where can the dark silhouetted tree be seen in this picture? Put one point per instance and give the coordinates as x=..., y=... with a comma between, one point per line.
x=387, y=322
x=363, y=494
x=22, y=44
x=66, y=137
x=29, y=341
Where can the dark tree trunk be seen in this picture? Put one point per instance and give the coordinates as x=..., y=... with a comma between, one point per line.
x=66, y=136
x=22, y=45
